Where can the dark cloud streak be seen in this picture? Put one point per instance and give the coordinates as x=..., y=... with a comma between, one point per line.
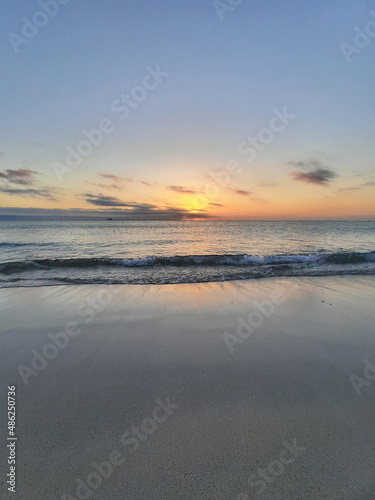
x=315, y=172
x=182, y=189
x=240, y=192
x=140, y=211
x=46, y=192
x=104, y=201
x=22, y=176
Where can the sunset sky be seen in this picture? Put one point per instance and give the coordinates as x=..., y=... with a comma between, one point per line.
x=195, y=109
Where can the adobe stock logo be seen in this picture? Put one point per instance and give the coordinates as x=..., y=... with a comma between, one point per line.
x=260, y=480
x=131, y=441
x=30, y=28
x=362, y=39
x=255, y=320
x=87, y=312
x=221, y=7
x=368, y=377
x=249, y=149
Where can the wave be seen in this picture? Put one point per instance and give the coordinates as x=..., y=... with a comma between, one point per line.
x=17, y=244
x=239, y=260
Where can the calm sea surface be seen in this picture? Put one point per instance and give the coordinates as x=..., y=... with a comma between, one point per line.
x=47, y=253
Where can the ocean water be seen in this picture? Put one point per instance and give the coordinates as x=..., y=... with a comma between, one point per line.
x=65, y=252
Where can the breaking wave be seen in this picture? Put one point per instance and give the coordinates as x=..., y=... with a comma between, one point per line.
x=286, y=261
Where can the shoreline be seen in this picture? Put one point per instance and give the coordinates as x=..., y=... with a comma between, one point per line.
x=143, y=378
x=296, y=277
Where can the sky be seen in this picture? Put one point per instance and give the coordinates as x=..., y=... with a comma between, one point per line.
x=195, y=109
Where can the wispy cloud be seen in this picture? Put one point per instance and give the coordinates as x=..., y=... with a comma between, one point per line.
x=116, y=178
x=102, y=200
x=182, y=189
x=105, y=186
x=117, y=182
x=314, y=172
x=358, y=173
x=45, y=192
x=356, y=188
x=22, y=176
x=268, y=183
x=137, y=212
x=132, y=210
x=348, y=189
x=26, y=177
x=149, y=184
x=241, y=192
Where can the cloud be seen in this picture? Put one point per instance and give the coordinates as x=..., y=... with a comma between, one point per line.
x=104, y=201
x=182, y=189
x=358, y=173
x=22, y=176
x=117, y=182
x=269, y=183
x=105, y=186
x=241, y=192
x=46, y=192
x=356, y=188
x=300, y=164
x=149, y=212
x=216, y=204
x=140, y=212
x=315, y=172
x=2, y=155
x=112, y=177
x=116, y=178
x=317, y=176
x=349, y=189
x=26, y=177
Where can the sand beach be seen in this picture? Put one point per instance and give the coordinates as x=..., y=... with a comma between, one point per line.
x=240, y=390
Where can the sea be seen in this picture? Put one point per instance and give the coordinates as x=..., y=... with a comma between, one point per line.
x=41, y=253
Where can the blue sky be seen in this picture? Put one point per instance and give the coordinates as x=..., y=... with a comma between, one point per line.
x=226, y=76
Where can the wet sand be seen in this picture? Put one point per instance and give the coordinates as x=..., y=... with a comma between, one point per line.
x=239, y=390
